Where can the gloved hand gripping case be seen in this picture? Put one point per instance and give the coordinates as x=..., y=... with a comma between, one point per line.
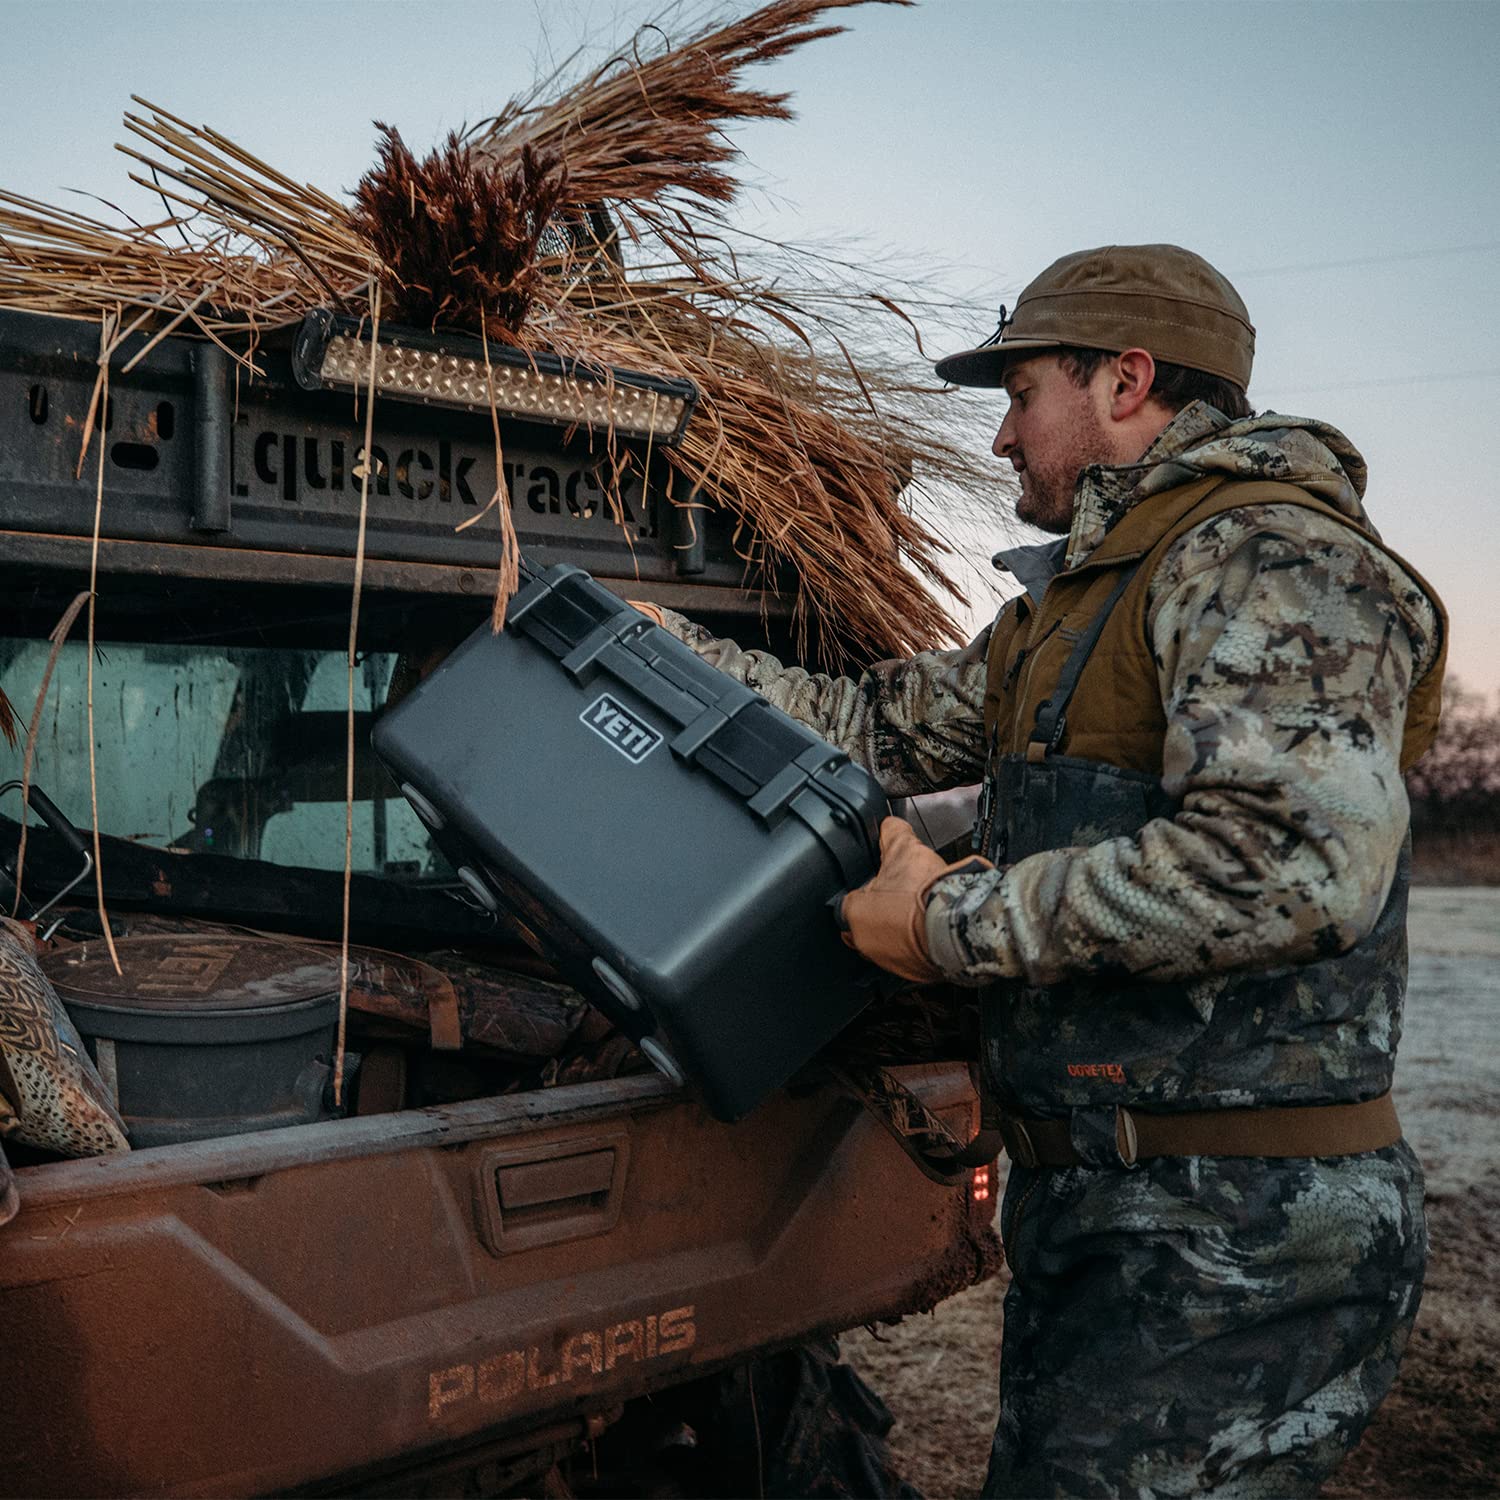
x=668, y=839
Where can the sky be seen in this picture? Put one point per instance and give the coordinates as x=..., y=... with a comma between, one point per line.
x=1338, y=161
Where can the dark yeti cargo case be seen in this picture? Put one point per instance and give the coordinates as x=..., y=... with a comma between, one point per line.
x=660, y=832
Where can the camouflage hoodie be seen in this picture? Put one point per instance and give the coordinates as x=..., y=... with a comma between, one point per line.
x=1286, y=647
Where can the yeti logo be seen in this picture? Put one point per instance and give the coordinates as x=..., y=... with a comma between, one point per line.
x=618, y=728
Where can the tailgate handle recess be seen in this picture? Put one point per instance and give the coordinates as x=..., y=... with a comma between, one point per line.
x=544, y=1194
x=569, y=1181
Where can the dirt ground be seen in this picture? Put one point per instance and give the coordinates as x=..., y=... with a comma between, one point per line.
x=1438, y=1433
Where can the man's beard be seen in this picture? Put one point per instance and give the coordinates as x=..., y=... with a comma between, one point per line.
x=1047, y=490
x=1047, y=503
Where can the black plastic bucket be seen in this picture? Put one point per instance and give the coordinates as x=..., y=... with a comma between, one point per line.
x=204, y=1035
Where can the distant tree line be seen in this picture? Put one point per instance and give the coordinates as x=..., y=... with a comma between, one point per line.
x=1456, y=785
x=1455, y=793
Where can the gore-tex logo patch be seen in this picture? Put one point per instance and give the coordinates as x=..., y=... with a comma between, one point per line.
x=616, y=726
x=1112, y=1071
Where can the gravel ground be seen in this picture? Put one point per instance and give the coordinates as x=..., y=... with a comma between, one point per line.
x=1438, y=1434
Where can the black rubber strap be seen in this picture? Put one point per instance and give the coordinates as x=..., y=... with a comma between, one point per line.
x=932, y=1147
x=1052, y=713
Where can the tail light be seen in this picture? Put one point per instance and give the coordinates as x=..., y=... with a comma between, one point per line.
x=982, y=1185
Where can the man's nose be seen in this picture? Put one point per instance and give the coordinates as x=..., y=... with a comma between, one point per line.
x=1005, y=440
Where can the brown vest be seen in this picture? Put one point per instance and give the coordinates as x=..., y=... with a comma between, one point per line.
x=1116, y=715
x=1077, y=770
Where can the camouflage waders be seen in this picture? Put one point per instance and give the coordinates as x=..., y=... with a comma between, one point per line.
x=1189, y=1324
x=1201, y=1325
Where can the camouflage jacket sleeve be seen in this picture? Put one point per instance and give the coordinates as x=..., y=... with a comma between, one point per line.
x=1286, y=646
x=916, y=725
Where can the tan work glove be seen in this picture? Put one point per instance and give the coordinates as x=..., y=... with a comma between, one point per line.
x=651, y=611
x=886, y=918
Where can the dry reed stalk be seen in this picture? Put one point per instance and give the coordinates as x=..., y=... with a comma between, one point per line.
x=107, y=325
x=356, y=593
x=57, y=638
x=510, y=545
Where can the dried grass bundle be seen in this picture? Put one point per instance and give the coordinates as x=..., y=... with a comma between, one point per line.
x=815, y=450
x=809, y=447
x=52, y=260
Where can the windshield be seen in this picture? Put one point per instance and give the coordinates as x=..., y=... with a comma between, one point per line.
x=235, y=750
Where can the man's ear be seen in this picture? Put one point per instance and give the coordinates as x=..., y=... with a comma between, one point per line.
x=1131, y=374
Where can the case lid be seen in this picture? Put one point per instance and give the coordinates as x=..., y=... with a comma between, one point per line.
x=774, y=764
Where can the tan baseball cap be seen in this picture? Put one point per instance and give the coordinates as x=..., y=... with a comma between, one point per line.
x=1160, y=298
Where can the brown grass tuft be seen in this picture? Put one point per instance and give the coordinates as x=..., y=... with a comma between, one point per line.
x=456, y=233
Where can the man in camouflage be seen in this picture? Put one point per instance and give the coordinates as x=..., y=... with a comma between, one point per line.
x=1191, y=728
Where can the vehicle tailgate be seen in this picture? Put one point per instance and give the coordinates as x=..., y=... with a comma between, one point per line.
x=245, y=1315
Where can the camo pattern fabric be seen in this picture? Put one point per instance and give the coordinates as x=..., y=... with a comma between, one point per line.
x=916, y=725
x=1202, y=1326
x=1200, y=441
x=1318, y=1032
x=1286, y=646
x=51, y=1095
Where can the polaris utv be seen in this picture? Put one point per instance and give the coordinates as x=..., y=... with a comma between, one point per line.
x=497, y=1238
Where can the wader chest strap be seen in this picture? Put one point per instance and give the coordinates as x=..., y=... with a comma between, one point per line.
x=1052, y=713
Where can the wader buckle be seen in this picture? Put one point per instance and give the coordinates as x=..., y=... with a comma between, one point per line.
x=1103, y=1136
x=1047, y=735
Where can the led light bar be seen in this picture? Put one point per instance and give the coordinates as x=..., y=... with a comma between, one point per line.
x=334, y=353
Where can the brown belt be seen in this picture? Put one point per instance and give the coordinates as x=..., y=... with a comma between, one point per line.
x=1304, y=1130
